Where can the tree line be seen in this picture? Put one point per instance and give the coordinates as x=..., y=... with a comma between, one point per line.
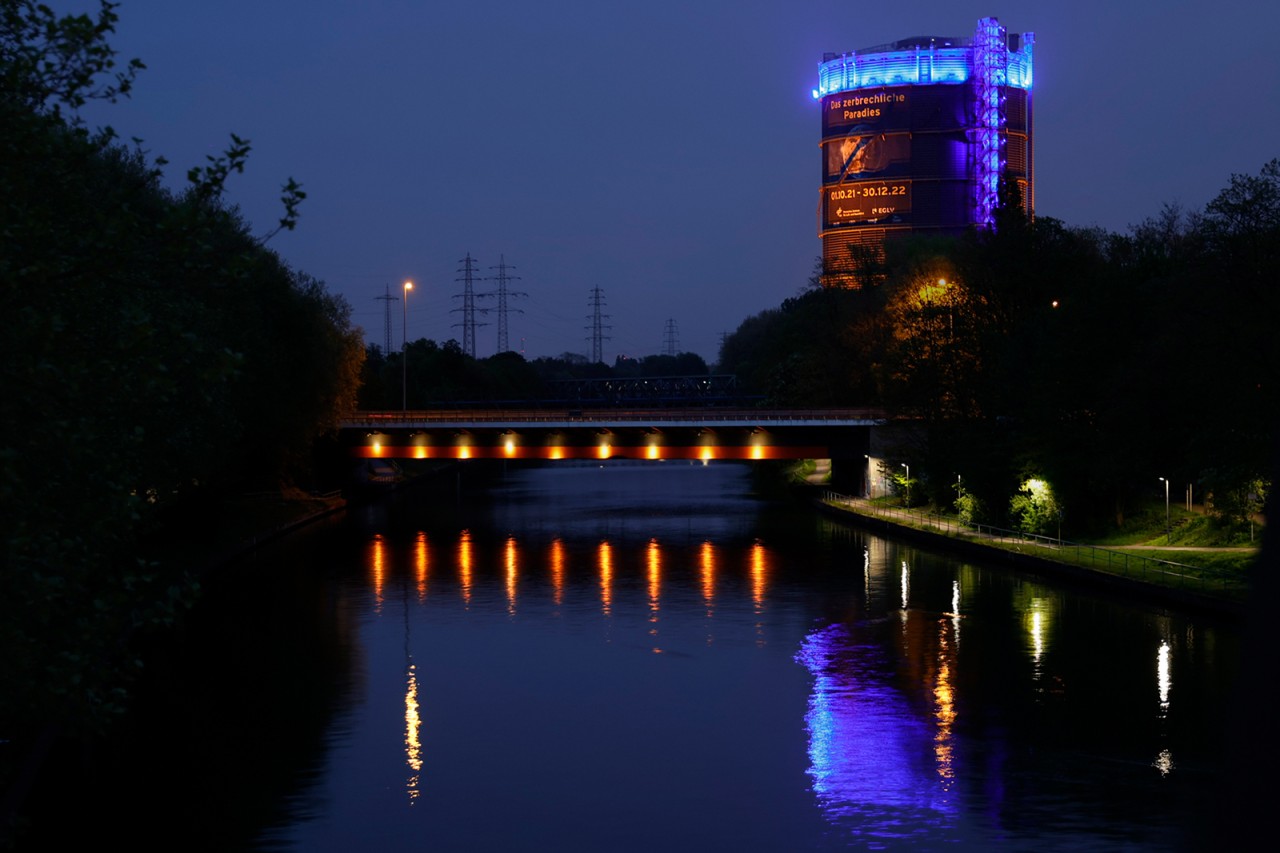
x=154, y=354
x=426, y=374
x=1092, y=363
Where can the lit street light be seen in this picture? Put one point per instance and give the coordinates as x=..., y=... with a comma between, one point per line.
x=908, y=467
x=1166, y=510
x=404, y=348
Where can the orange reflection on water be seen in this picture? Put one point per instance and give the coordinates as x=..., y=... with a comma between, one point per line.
x=944, y=705
x=557, y=571
x=378, y=567
x=412, y=725
x=708, y=563
x=653, y=559
x=464, y=564
x=512, y=573
x=759, y=573
x=420, y=565
x=604, y=557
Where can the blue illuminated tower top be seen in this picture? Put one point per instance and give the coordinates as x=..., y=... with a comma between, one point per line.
x=983, y=71
x=930, y=60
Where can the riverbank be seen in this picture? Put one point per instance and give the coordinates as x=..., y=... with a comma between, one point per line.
x=1119, y=571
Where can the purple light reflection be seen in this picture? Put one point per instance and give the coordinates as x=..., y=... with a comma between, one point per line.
x=873, y=762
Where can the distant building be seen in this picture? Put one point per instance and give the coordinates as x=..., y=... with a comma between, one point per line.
x=917, y=137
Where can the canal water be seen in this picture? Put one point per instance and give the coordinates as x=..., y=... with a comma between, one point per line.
x=639, y=657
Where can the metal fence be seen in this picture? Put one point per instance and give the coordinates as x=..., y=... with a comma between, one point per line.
x=1122, y=563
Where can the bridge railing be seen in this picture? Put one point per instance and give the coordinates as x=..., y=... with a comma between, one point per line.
x=589, y=415
x=1122, y=563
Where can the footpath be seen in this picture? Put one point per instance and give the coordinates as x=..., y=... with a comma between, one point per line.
x=1119, y=570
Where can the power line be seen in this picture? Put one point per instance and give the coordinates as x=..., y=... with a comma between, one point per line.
x=671, y=338
x=597, y=326
x=387, y=299
x=502, y=293
x=468, y=308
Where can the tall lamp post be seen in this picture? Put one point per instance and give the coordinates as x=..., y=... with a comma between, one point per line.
x=1166, y=510
x=908, y=467
x=404, y=348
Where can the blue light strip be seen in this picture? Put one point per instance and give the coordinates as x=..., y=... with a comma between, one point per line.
x=920, y=66
x=991, y=74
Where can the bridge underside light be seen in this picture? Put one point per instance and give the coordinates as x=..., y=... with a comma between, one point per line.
x=509, y=446
x=419, y=452
x=603, y=450
x=651, y=451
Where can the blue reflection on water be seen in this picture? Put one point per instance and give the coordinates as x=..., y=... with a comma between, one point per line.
x=869, y=753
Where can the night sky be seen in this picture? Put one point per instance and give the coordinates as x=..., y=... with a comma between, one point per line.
x=665, y=152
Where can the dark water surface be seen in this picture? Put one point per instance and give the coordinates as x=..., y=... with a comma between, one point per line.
x=645, y=657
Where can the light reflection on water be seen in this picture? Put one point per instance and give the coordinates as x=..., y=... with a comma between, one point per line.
x=900, y=746
x=648, y=658
x=866, y=744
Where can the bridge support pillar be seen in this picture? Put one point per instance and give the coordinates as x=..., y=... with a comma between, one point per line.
x=848, y=475
x=849, y=462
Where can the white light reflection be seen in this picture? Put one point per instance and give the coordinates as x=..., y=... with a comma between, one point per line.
x=1037, y=638
x=1164, y=762
x=1037, y=623
x=1163, y=680
x=955, y=610
x=906, y=583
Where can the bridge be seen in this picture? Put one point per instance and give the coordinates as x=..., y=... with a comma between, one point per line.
x=695, y=433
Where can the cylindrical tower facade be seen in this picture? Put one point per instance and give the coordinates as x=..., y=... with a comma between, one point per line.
x=917, y=137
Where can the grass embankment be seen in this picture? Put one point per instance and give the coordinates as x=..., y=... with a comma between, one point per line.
x=1197, y=554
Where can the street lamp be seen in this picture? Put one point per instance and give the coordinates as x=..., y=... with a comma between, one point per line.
x=908, y=467
x=1166, y=510
x=404, y=348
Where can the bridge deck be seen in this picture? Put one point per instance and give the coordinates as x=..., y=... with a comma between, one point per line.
x=704, y=433
x=608, y=418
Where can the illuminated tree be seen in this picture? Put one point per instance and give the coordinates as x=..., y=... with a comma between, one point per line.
x=1034, y=508
x=934, y=353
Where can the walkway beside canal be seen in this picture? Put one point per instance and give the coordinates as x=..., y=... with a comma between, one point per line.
x=1118, y=569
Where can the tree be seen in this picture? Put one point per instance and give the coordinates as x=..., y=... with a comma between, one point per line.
x=151, y=350
x=48, y=63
